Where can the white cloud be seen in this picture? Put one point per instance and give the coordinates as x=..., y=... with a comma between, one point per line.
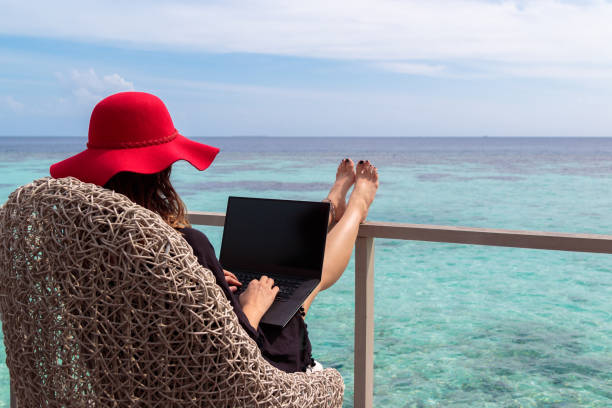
x=87, y=87
x=560, y=71
x=206, y=109
x=521, y=33
x=413, y=68
x=11, y=103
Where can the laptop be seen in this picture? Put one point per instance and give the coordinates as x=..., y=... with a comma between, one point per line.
x=282, y=239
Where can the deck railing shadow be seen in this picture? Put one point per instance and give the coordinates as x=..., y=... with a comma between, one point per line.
x=364, y=271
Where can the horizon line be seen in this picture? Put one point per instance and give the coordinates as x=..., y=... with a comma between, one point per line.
x=342, y=137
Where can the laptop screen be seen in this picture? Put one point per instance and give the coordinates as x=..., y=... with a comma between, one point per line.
x=274, y=236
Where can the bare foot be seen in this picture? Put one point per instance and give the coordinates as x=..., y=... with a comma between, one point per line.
x=366, y=184
x=345, y=177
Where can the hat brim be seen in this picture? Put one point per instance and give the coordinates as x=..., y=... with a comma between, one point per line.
x=99, y=165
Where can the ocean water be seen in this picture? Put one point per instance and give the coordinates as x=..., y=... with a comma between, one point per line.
x=455, y=325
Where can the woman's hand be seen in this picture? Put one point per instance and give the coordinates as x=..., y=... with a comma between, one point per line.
x=232, y=280
x=257, y=299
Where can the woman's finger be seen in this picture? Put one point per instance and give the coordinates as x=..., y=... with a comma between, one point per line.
x=230, y=274
x=231, y=280
x=233, y=288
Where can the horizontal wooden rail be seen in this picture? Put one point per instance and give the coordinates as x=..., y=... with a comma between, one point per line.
x=206, y=218
x=462, y=235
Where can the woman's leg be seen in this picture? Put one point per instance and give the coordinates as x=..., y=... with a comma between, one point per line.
x=341, y=239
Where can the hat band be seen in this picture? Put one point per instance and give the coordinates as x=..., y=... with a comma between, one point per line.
x=131, y=145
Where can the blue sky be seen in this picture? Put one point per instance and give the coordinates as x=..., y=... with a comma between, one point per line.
x=316, y=68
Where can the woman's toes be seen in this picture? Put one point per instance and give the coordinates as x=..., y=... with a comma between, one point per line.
x=345, y=169
x=361, y=166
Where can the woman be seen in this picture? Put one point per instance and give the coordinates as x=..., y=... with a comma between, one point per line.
x=131, y=147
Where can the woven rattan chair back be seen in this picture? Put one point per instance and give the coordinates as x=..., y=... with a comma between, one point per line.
x=103, y=304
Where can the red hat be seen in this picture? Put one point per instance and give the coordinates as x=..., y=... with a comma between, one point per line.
x=131, y=131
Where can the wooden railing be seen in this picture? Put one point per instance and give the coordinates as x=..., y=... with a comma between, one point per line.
x=364, y=271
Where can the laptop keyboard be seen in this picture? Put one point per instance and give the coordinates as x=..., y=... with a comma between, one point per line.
x=286, y=285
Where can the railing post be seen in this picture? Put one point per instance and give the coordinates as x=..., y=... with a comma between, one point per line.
x=364, y=323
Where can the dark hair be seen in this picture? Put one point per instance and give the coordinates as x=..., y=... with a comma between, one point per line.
x=154, y=192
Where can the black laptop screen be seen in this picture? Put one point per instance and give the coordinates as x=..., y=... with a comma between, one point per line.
x=274, y=236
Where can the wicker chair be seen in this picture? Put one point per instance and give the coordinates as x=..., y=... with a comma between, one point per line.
x=104, y=305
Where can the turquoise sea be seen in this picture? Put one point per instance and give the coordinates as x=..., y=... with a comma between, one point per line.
x=455, y=325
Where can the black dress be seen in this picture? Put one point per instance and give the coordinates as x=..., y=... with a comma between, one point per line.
x=287, y=348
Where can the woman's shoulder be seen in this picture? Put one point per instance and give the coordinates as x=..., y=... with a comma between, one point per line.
x=193, y=236
x=202, y=249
